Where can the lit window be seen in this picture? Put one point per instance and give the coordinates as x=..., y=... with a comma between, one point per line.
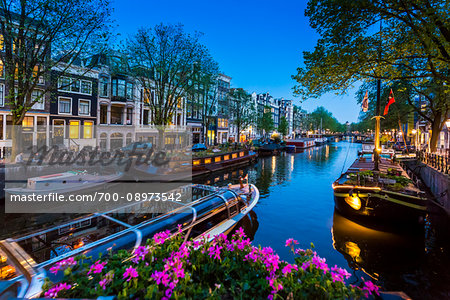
x=65, y=105
x=28, y=122
x=87, y=134
x=74, y=129
x=84, y=107
x=86, y=87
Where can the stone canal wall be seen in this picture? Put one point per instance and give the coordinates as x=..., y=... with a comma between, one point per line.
x=436, y=181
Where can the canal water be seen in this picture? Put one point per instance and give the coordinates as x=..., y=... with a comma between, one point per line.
x=297, y=202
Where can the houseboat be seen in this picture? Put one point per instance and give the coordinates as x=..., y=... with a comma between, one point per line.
x=208, y=164
x=207, y=211
x=301, y=143
x=384, y=197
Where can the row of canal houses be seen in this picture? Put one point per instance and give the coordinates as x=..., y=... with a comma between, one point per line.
x=100, y=106
x=93, y=107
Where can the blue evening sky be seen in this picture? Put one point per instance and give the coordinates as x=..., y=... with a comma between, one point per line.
x=258, y=43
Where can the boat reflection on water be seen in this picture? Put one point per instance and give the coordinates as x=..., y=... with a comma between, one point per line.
x=379, y=254
x=250, y=225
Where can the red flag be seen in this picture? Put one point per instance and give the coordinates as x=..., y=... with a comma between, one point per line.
x=365, y=103
x=391, y=100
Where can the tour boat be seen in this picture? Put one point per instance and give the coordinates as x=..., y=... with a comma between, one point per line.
x=63, y=183
x=206, y=211
x=302, y=143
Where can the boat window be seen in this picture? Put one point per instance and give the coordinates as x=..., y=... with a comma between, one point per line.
x=7, y=269
x=209, y=223
x=62, y=239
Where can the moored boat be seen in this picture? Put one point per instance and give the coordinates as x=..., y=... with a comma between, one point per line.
x=290, y=148
x=301, y=143
x=387, y=197
x=63, y=183
x=208, y=164
x=270, y=147
x=210, y=211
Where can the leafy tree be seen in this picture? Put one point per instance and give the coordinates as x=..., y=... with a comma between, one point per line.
x=265, y=121
x=169, y=61
x=321, y=115
x=242, y=110
x=283, y=126
x=40, y=35
x=414, y=43
x=209, y=97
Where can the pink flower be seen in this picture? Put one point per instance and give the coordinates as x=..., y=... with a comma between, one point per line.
x=53, y=292
x=130, y=273
x=160, y=237
x=288, y=269
x=106, y=280
x=63, y=264
x=140, y=253
x=305, y=265
x=290, y=242
x=320, y=263
x=300, y=251
x=341, y=272
x=336, y=277
x=97, y=267
x=239, y=233
x=370, y=287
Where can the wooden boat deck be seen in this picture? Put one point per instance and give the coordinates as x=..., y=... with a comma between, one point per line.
x=384, y=165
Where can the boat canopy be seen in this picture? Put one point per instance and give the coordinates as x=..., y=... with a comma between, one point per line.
x=121, y=228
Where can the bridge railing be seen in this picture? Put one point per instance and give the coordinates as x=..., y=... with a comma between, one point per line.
x=441, y=162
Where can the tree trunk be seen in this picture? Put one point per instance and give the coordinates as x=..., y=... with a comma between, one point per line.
x=16, y=145
x=436, y=127
x=161, y=130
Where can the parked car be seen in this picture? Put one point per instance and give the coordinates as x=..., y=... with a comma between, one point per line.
x=400, y=146
x=198, y=147
x=136, y=148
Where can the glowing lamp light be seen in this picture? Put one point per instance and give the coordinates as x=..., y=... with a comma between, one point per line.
x=413, y=131
x=353, y=250
x=354, y=202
